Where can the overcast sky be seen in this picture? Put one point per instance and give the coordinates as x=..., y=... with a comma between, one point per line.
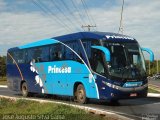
x=21, y=21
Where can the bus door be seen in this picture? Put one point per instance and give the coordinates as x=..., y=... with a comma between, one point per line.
x=58, y=73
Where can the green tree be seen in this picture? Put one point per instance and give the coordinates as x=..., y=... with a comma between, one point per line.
x=2, y=66
x=153, y=67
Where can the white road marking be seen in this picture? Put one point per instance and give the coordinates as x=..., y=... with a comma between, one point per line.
x=3, y=86
x=153, y=95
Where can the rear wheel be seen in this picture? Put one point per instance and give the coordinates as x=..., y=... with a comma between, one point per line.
x=24, y=89
x=81, y=94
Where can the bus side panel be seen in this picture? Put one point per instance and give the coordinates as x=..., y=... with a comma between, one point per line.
x=89, y=85
x=54, y=82
x=13, y=77
x=29, y=77
x=104, y=90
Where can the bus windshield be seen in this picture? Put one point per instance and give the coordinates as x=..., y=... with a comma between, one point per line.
x=127, y=61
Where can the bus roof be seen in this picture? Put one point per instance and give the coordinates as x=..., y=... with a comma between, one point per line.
x=94, y=35
x=79, y=35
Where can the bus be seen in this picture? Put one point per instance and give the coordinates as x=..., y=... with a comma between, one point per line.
x=83, y=65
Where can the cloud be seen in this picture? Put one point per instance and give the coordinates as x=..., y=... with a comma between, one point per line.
x=23, y=22
x=21, y=28
x=2, y=4
x=140, y=20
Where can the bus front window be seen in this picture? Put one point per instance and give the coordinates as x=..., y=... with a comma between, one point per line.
x=118, y=60
x=127, y=61
x=136, y=59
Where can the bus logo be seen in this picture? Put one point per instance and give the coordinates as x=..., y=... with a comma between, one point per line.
x=55, y=69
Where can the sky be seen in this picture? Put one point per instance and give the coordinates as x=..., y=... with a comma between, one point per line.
x=25, y=21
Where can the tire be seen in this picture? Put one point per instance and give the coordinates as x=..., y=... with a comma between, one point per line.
x=81, y=94
x=24, y=90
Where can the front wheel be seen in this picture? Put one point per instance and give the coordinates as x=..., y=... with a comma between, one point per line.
x=81, y=94
x=24, y=89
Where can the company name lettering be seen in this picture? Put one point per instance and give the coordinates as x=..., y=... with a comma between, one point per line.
x=118, y=37
x=55, y=69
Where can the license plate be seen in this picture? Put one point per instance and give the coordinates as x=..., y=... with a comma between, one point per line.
x=133, y=94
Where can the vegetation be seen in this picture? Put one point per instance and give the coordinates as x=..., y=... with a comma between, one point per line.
x=3, y=81
x=153, y=67
x=2, y=66
x=152, y=90
x=48, y=110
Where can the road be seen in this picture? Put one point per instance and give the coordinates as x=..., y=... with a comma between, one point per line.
x=134, y=108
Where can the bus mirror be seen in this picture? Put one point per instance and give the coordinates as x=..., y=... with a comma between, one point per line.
x=150, y=52
x=105, y=51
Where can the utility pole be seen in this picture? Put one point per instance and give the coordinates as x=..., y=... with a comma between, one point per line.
x=121, y=20
x=149, y=68
x=88, y=26
x=157, y=67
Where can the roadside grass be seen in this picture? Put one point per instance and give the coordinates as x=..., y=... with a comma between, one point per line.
x=152, y=90
x=3, y=81
x=25, y=107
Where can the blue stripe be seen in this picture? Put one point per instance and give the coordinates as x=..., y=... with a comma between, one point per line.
x=39, y=43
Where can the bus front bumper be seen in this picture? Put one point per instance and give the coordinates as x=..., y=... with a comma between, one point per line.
x=117, y=92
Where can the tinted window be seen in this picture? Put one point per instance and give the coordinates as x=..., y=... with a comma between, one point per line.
x=56, y=52
x=62, y=52
x=44, y=54
x=39, y=54
x=87, y=43
x=96, y=61
x=19, y=56
x=69, y=54
x=9, y=59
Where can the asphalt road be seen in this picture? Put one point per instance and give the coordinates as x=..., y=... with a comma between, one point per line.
x=134, y=108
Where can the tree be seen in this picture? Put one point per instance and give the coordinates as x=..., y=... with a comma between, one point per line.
x=2, y=66
x=153, y=67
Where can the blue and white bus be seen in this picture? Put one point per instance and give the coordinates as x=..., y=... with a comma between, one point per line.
x=84, y=65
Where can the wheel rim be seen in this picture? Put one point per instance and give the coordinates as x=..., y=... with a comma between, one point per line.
x=24, y=89
x=81, y=94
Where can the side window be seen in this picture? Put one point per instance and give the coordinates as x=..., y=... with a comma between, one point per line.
x=44, y=54
x=56, y=52
x=39, y=54
x=69, y=54
x=87, y=43
x=30, y=53
x=96, y=61
x=87, y=47
x=61, y=52
x=9, y=59
x=19, y=56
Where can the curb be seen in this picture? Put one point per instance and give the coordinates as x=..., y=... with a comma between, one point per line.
x=101, y=112
x=149, y=94
x=3, y=86
x=153, y=95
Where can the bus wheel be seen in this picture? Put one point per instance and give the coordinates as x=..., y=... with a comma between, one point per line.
x=24, y=89
x=81, y=94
